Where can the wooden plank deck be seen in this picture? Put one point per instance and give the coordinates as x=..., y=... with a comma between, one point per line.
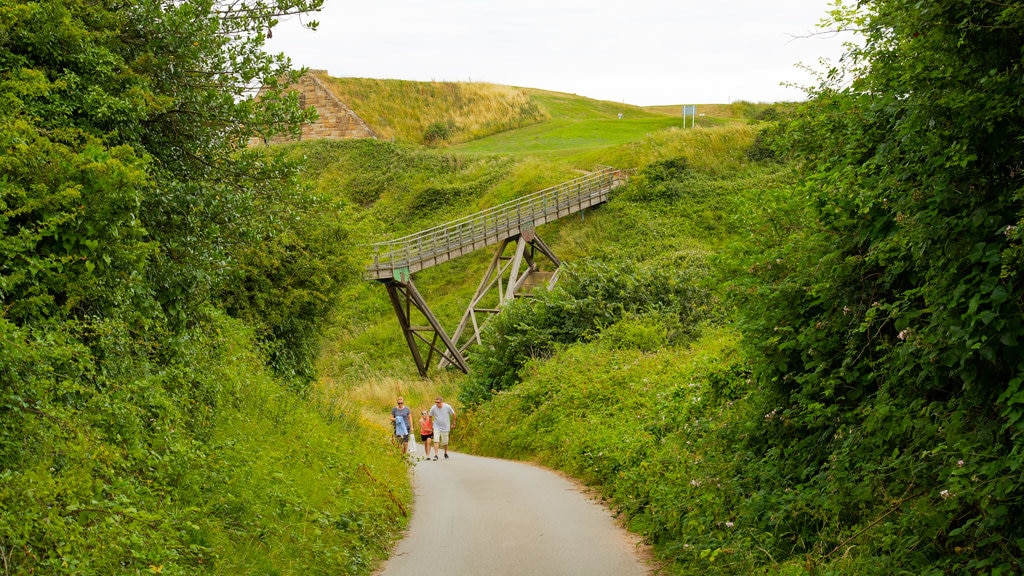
x=442, y=243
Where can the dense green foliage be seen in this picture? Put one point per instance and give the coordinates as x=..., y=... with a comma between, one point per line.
x=141, y=429
x=892, y=346
x=870, y=422
x=791, y=353
x=286, y=280
x=644, y=305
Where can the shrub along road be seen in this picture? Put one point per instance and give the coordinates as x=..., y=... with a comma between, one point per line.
x=477, y=515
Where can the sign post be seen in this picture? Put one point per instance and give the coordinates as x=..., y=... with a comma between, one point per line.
x=691, y=111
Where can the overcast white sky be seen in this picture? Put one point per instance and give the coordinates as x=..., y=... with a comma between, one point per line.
x=642, y=52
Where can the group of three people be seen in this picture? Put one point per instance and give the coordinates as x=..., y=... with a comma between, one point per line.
x=435, y=426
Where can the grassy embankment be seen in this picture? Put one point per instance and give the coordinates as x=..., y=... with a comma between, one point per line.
x=167, y=406
x=634, y=374
x=436, y=113
x=694, y=211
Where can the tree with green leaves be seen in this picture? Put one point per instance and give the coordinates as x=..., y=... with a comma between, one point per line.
x=159, y=88
x=891, y=338
x=130, y=207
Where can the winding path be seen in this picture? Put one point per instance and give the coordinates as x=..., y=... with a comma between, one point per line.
x=476, y=516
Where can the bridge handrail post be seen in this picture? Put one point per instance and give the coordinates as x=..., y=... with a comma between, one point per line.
x=496, y=220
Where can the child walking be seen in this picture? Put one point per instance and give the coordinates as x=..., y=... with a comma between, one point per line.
x=427, y=434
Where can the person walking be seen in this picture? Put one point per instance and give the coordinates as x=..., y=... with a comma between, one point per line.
x=427, y=434
x=443, y=416
x=401, y=418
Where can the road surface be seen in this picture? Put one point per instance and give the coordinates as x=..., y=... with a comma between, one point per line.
x=475, y=516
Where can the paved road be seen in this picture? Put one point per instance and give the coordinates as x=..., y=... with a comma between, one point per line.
x=478, y=516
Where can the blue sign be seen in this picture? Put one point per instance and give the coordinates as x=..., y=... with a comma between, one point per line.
x=691, y=111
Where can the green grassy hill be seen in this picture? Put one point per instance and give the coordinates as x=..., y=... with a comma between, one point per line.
x=790, y=346
x=640, y=373
x=496, y=119
x=575, y=124
x=694, y=198
x=436, y=113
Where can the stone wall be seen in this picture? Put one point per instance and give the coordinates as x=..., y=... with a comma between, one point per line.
x=336, y=119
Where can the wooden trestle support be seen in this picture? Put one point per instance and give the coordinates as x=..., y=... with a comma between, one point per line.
x=506, y=273
x=507, y=279
x=405, y=297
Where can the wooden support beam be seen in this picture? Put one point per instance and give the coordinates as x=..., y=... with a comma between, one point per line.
x=395, y=261
x=507, y=280
x=513, y=275
x=491, y=276
x=539, y=244
x=405, y=297
x=398, y=297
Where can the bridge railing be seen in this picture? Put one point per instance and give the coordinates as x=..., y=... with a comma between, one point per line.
x=490, y=226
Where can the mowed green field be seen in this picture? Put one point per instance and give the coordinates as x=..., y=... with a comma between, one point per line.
x=560, y=134
x=579, y=124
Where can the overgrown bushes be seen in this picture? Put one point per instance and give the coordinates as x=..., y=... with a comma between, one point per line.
x=439, y=132
x=195, y=460
x=141, y=430
x=592, y=296
x=870, y=422
x=287, y=281
x=890, y=349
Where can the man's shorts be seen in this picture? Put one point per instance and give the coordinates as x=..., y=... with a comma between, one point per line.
x=441, y=438
x=402, y=438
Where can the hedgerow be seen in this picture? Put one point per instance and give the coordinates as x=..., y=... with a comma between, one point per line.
x=142, y=430
x=873, y=406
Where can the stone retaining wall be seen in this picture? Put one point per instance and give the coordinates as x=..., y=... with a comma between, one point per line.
x=336, y=119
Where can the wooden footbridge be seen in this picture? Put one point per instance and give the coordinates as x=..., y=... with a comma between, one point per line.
x=512, y=223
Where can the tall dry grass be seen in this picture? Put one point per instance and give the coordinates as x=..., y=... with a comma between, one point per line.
x=371, y=390
x=404, y=110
